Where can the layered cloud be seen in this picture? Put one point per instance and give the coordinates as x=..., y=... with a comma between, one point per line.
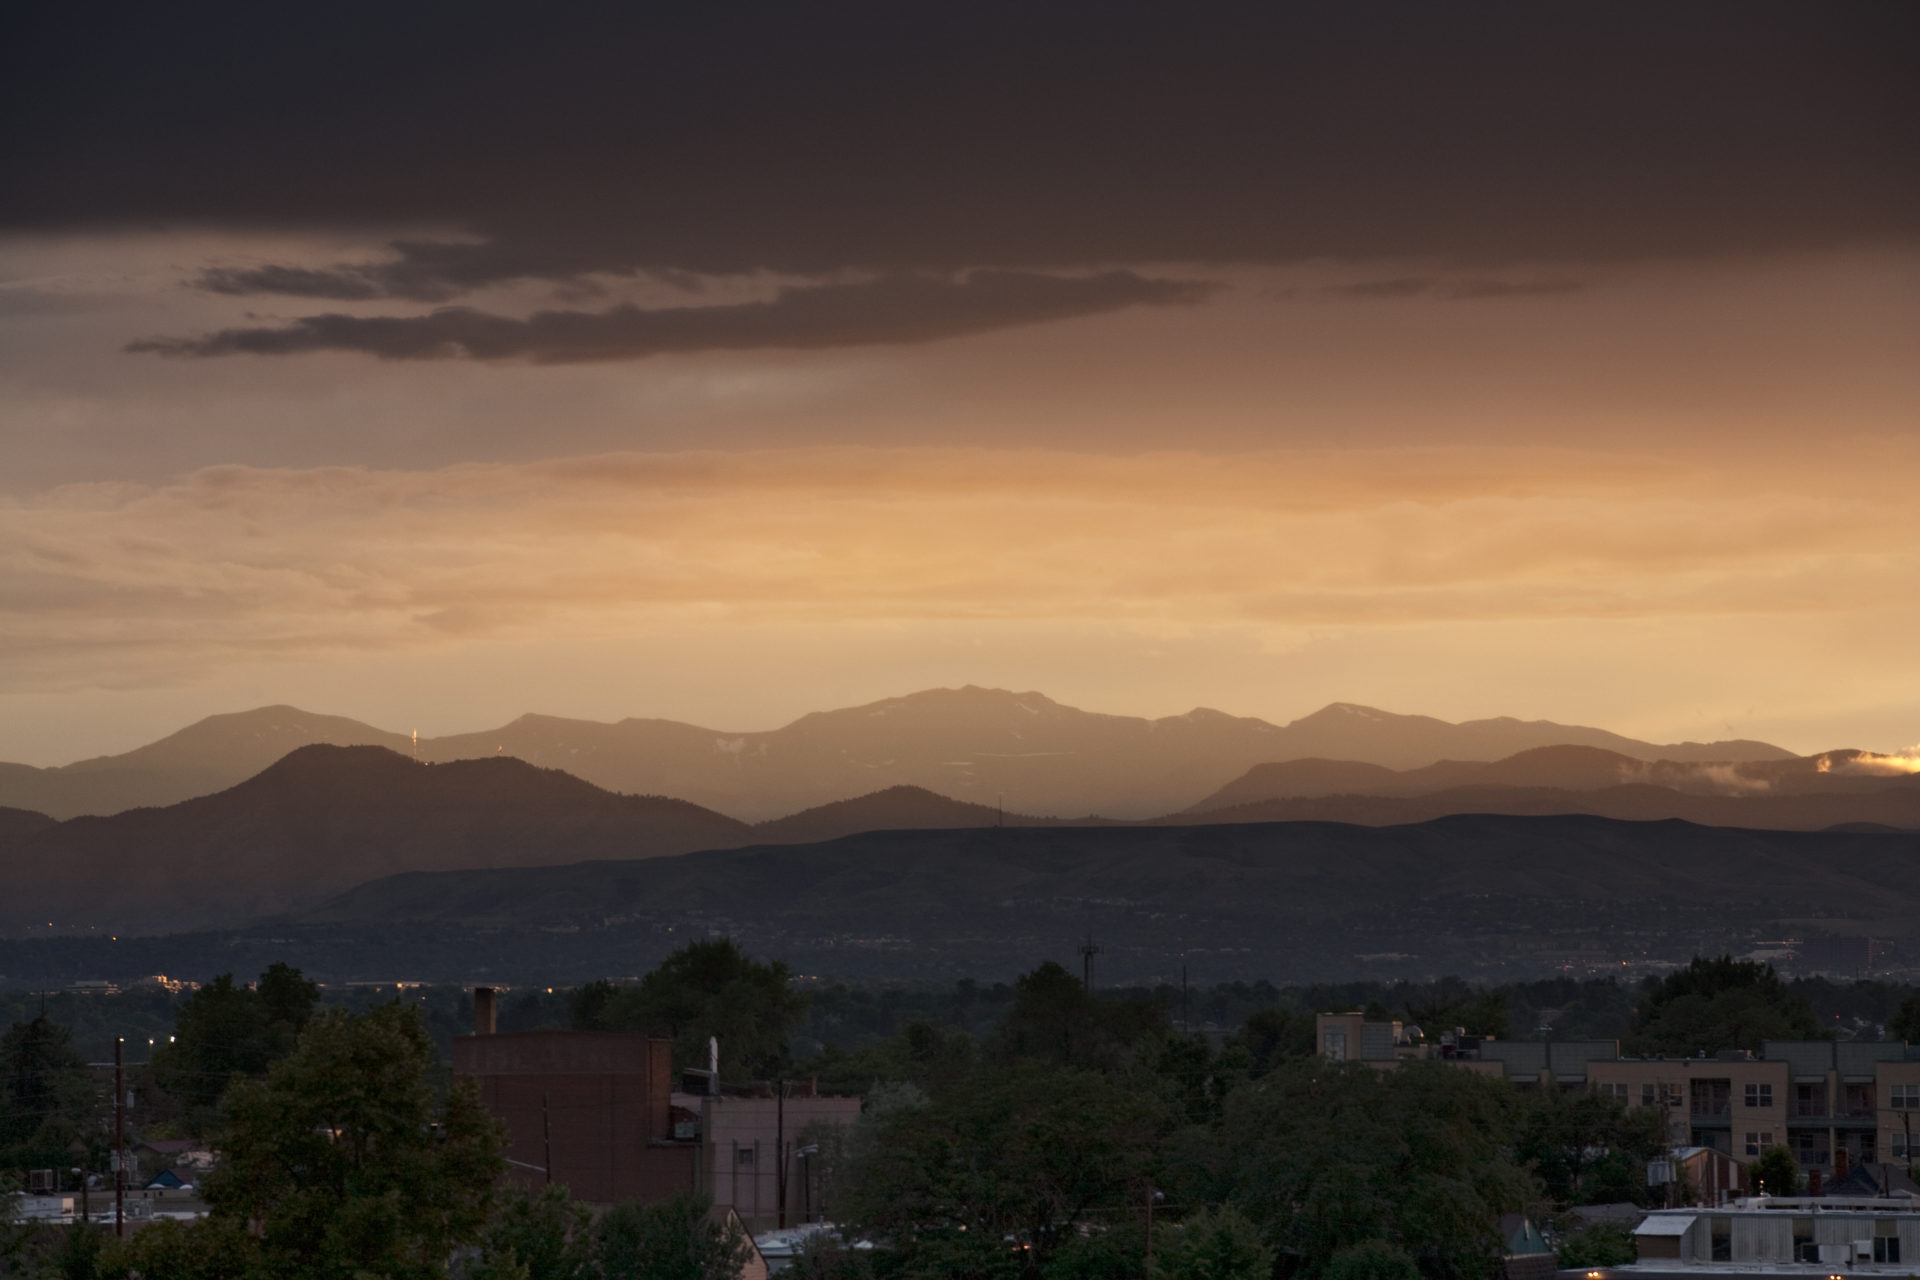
x=881, y=137
x=1463, y=290
x=893, y=309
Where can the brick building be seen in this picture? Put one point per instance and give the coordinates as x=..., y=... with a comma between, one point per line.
x=604, y=1105
x=597, y=1104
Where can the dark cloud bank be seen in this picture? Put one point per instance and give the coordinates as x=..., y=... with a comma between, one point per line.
x=563, y=143
x=897, y=309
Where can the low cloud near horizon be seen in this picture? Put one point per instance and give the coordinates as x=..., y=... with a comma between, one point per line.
x=1601, y=559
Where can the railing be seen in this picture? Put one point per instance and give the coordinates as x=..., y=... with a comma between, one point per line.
x=1713, y=1107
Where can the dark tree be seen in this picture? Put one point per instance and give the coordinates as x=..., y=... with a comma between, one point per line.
x=1718, y=1004
x=676, y=1239
x=1011, y=1161
x=706, y=989
x=1273, y=1036
x=349, y=1163
x=1775, y=1173
x=225, y=1031
x=1326, y=1157
x=544, y=1236
x=1576, y=1142
x=1055, y=1020
x=46, y=1097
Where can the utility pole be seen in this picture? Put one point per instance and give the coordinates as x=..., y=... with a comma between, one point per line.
x=780, y=1151
x=546, y=1128
x=1087, y=952
x=1152, y=1195
x=1186, y=1025
x=119, y=1143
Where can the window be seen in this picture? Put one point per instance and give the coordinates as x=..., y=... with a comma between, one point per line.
x=1906, y=1097
x=1886, y=1240
x=1647, y=1095
x=1759, y=1095
x=1614, y=1091
x=743, y=1156
x=1722, y=1229
x=1900, y=1148
x=1334, y=1045
x=1758, y=1142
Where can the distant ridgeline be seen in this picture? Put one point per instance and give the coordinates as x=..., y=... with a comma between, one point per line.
x=1483, y=896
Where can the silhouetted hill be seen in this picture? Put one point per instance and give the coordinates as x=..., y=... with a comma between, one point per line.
x=1470, y=894
x=18, y=824
x=981, y=746
x=1347, y=731
x=1894, y=805
x=1481, y=895
x=894, y=809
x=324, y=818
x=207, y=756
x=1830, y=777
x=879, y=879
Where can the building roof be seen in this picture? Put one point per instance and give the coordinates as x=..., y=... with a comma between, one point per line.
x=1624, y=1211
x=1521, y=1235
x=1666, y=1224
x=170, y=1146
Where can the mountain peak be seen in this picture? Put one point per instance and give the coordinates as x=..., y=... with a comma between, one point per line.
x=1342, y=712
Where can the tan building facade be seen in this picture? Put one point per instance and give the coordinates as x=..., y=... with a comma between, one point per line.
x=1837, y=1106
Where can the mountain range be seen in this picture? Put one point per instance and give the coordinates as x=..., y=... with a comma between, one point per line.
x=1021, y=751
x=325, y=818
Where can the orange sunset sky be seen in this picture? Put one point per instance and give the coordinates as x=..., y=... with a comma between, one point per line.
x=1560, y=362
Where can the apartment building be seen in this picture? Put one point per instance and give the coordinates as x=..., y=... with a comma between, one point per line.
x=1838, y=1106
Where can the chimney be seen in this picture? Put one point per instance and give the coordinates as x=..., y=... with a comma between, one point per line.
x=483, y=1011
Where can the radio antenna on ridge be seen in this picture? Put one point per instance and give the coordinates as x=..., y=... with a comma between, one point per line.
x=1088, y=950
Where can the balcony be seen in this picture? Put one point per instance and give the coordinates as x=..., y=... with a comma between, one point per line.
x=1846, y=1118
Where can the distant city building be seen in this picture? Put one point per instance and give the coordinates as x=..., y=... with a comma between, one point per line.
x=1844, y=1108
x=1841, y=957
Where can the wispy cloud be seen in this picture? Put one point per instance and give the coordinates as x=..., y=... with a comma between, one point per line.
x=1454, y=290
x=892, y=309
x=98, y=582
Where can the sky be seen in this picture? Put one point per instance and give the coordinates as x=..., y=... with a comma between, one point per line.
x=432, y=364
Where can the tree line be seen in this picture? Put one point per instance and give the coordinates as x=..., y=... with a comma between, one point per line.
x=1076, y=1135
